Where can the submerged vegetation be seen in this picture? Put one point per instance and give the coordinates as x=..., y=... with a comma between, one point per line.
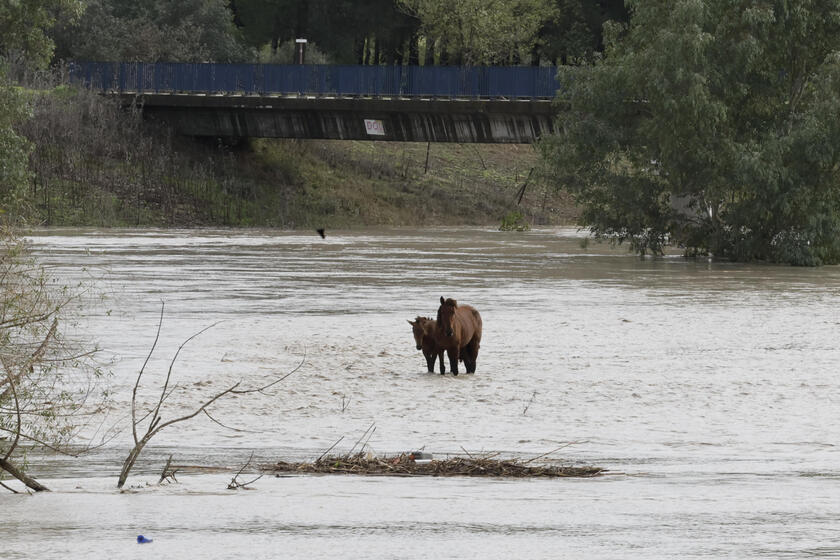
x=514, y=221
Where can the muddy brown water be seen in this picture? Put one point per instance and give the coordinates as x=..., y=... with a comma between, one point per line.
x=709, y=390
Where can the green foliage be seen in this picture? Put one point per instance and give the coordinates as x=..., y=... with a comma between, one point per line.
x=14, y=149
x=711, y=125
x=46, y=380
x=347, y=32
x=483, y=31
x=344, y=31
x=92, y=163
x=25, y=23
x=514, y=221
x=573, y=33
x=152, y=31
x=274, y=22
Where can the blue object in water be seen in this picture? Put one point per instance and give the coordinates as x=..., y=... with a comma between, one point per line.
x=143, y=540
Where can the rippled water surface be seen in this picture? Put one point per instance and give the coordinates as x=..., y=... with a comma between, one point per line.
x=709, y=390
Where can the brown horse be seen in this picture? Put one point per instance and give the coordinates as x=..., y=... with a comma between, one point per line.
x=459, y=333
x=424, y=335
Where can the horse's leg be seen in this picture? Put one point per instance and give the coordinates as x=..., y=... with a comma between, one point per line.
x=472, y=349
x=442, y=362
x=469, y=361
x=430, y=361
x=453, y=360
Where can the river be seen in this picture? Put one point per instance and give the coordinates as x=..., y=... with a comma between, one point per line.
x=709, y=390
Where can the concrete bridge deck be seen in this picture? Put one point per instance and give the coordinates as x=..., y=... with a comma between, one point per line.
x=392, y=103
x=349, y=118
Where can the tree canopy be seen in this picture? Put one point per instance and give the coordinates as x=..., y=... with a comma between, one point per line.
x=710, y=124
x=343, y=31
x=482, y=31
x=151, y=31
x=25, y=25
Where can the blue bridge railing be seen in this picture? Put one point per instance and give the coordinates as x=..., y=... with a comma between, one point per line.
x=514, y=82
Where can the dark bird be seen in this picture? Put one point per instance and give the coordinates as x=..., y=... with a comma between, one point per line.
x=321, y=233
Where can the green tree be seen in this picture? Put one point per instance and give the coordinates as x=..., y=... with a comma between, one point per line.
x=48, y=384
x=274, y=22
x=347, y=32
x=25, y=24
x=574, y=33
x=482, y=31
x=152, y=31
x=712, y=124
x=14, y=149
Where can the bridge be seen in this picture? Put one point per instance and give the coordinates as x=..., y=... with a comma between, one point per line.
x=392, y=103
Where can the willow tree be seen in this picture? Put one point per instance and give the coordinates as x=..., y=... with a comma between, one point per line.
x=50, y=385
x=710, y=124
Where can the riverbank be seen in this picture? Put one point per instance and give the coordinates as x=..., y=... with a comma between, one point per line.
x=94, y=164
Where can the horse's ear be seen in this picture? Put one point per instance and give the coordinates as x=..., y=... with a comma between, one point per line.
x=410, y=322
x=441, y=300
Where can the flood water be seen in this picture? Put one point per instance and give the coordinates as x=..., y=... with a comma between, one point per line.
x=708, y=390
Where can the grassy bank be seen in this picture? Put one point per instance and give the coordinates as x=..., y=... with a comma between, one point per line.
x=94, y=164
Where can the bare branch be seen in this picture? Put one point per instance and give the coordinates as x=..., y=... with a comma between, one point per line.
x=156, y=424
x=371, y=427
x=23, y=477
x=9, y=488
x=552, y=451
x=207, y=413
x=41, y=442
x=329, y=449
x=166, y=473
x=234, y=482
x=23, y=368
x=140, y=374
x=275, y=382
x=18, y=322
x=194, y=414
x=17, y=414
x=163, y=393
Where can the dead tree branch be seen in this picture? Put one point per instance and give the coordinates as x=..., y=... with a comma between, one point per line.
x=167, y=473
x=235, y=483
x=155, y=422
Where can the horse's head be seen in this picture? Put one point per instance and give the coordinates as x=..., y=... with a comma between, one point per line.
x=417, y=330
x=446, y=316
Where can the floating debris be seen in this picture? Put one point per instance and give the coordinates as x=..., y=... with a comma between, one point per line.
x=405, y=465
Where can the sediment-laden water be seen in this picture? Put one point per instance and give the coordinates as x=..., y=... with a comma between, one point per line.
x=709, y=390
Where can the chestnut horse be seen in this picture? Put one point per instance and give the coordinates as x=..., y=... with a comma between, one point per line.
x=424, y=336
x=459, y=333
